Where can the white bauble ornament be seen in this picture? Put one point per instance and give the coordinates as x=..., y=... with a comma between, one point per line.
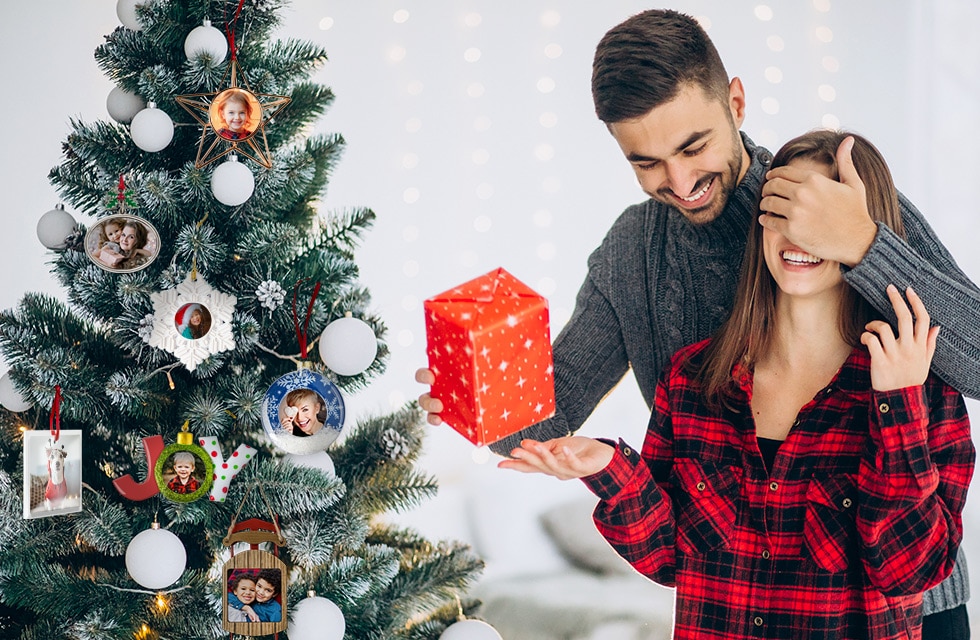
x=319, y=460
x=232, y=183
x=126, y=12
x=152, y=129
x=54, y=228
x=470, y=630
x=11, y=399
x=206, y=39
x=348, y=346
x=316, y=618
x=123, y=105
x=155, y=558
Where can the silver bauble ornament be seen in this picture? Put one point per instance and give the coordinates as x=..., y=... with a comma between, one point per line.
x=206, y=39
x=155, y=558
x=151, y=129
x=55, y=227
x=123, y=105
x=232, y=183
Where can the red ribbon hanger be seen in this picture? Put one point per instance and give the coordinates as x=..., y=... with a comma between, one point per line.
x=302, y=333
x=54, y=418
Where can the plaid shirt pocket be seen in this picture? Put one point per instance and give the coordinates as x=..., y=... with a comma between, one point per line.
x=707, y=499
x=829, y=529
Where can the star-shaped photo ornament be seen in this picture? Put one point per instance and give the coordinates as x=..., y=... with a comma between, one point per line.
x=234, y=119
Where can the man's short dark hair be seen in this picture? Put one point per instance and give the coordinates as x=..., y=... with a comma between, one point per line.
x=642, y=63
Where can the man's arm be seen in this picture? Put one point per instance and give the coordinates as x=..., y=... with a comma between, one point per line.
x=952, y=299
x=829, y=219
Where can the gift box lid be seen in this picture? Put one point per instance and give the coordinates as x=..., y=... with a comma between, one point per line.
x=469, y=303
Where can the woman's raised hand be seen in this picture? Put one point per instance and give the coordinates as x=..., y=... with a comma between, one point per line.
x=564, y=458
x=903, y=360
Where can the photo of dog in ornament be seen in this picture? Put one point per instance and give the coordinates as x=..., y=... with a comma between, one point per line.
x=122, y=244
x=235, y=114
x=52, y=473
x=192, y=321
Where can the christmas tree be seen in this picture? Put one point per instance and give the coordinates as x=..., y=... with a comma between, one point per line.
x=190, y=337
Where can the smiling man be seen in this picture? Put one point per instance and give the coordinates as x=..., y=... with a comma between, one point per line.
x=665, y=274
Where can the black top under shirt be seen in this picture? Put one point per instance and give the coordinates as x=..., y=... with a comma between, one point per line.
x=768, y=448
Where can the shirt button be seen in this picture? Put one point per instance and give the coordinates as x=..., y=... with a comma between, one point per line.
x=765, y=555
x=796, y=422
x=627, y=452
x=883, y=407
x=701, y=486
x=758, y=621
x=846, y=503
x=773, y=486
x=828, y=391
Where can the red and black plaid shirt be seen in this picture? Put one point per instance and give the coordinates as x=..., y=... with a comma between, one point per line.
x=191, y=486
x=860, y=514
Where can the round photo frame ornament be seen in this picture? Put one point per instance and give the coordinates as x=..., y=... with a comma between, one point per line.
x=175, y=480
x=122, y=243
x=303, y=412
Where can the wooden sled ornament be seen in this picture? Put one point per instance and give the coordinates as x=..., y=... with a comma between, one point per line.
x=254, y=603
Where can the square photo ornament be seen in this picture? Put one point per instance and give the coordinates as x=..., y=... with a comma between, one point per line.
x=52, y=473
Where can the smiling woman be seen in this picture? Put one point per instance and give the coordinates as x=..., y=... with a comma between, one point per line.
x=843, y=434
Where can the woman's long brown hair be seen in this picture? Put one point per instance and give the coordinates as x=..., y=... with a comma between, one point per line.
x=746, y=335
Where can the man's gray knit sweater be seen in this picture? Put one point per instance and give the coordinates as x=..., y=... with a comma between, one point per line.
x=659, y=282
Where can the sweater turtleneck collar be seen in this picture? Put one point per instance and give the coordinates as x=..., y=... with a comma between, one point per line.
x=730, y=229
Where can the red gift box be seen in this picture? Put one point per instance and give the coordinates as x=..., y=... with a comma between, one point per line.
x=489, y=345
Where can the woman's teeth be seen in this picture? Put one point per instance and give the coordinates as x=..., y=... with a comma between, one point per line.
x=798, y=257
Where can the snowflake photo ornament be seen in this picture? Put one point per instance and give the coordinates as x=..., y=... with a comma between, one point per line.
x=303, y=412
x=192, y=321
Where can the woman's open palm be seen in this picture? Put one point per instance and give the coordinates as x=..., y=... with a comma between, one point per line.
x=564, y=458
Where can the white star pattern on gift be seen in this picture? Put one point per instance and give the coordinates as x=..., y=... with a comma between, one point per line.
x=192, y=352
x=509, y=384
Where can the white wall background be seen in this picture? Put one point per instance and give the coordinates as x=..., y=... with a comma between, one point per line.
x=471, y=133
